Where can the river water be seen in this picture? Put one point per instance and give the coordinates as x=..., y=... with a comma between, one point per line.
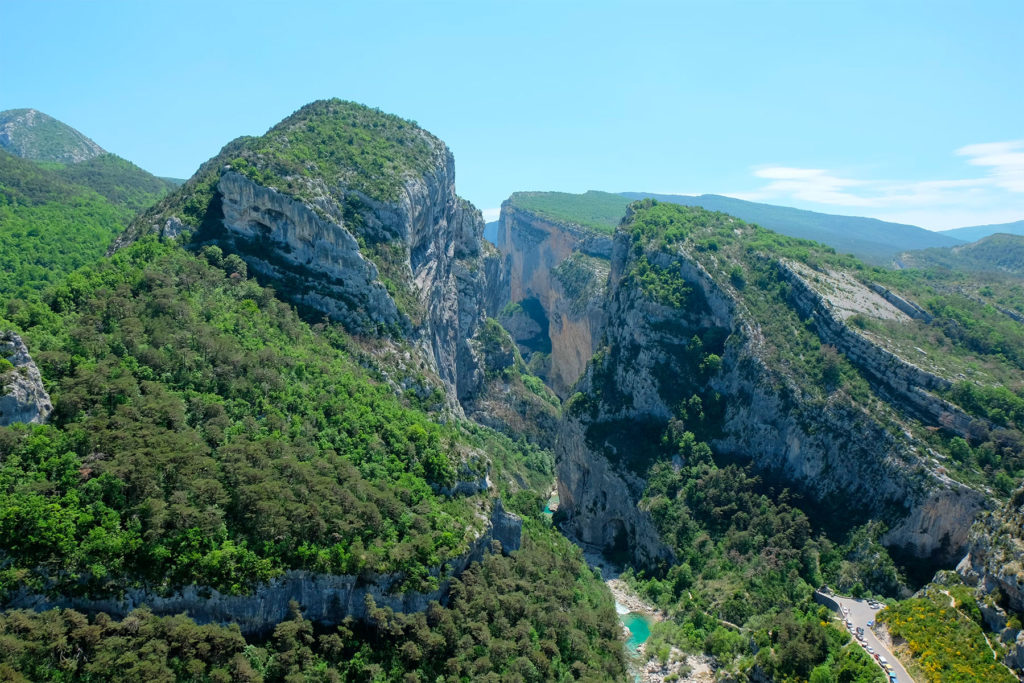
x=639, y=626
x=552, y=505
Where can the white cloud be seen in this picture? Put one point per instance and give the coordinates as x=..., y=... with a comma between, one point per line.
x=491, y=214
x=932, y=203
x=806, y=184
x=1005, y=159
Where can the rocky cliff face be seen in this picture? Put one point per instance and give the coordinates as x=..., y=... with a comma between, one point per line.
x=563, y=268
x=313, y=259
x=391, y=253
x=900, y=381
x=324, y=598
x=994, y=562
x=429, y=240
x=22, y=395
x=831, y=449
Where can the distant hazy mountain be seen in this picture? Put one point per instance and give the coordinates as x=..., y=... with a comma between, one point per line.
x=996, y=253
x=37, y=137
x=976, y=232
x=491, y=232
x=873, y=240
x=31, y=134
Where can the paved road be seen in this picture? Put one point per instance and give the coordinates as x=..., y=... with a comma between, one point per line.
x=860, y=614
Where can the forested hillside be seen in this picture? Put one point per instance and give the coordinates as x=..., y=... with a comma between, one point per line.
x=206, y=435
x=211, y=447
x=291, y=439
x=998, y=253
x=711, y=321
x=55, y=218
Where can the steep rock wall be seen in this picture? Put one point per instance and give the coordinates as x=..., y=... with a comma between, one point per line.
x=833, y=450
x=839, y=451
x=324, y=598
x=314, y=260
x=534, y=247
x=320, y=253
x=22, y=395
x=899, y=380
x=995, y=554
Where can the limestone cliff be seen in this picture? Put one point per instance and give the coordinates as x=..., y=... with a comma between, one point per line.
x=22, y=395
x=563, y=268
x=324, y=598
x=898, y=379
x=510, y=399
x=377, y=240
x=995, y=559
x=994, y=566
x=680, y=329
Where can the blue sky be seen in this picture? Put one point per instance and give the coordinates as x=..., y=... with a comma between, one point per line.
x=907, y=111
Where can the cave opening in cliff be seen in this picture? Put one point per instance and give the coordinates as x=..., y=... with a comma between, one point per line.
x=541, y=341
x=616, y=546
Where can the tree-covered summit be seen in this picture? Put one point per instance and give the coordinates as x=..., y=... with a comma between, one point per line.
x=343, y=143
x=325, y=147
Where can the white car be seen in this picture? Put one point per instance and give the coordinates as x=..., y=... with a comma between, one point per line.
x=871, y=650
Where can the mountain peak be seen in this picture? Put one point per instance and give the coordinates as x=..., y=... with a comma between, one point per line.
x=31, y=134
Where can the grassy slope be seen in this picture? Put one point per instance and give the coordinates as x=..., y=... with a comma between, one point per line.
x=599, y=211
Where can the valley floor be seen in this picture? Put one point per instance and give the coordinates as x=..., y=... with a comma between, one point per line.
x=647, y=667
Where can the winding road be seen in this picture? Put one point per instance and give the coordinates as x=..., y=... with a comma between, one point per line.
x=860, y=613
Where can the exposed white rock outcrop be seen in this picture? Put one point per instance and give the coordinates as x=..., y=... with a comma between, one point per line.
x=23, y=397
x=899, y=380
x=994, y=562
x=321, y=254
x=314, y=260
x=830, y=448
x=324, y=598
